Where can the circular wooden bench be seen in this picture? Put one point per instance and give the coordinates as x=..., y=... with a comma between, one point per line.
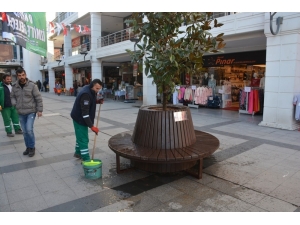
x=164, y=160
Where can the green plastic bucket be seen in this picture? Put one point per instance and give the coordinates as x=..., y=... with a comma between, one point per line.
x=92, y=172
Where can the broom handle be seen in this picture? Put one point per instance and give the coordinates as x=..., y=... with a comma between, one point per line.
x=96, y=134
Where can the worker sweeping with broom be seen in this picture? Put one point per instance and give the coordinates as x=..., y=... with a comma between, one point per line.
x=83, y=115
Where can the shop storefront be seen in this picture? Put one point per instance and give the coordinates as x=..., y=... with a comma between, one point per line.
x=124, y=81
x=60, y=78
x=238, y=77
x=232, y=81
x=233, y=78
x=82, y=76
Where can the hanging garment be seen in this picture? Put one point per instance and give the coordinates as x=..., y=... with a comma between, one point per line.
x=243, y=102
x=175, y=97
x=181, y=94
x=261, y=101
x=197, y=95
x=188, y=94
x=250, y=102
x=296, y=102
x=255, y=101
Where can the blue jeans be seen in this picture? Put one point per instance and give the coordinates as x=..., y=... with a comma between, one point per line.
x=26, y=122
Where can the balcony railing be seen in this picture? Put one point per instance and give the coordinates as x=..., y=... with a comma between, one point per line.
x=114, y=38
x=62, y=16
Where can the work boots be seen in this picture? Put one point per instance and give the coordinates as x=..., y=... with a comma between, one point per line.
x=29, y=151
x=10, y=135
x=26, y=152
x=19, y=132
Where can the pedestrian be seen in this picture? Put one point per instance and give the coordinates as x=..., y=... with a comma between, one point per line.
x=28, y=101
x=9, y=112
x=45, y=83
x=75, y=86
x=83, y=114
x=39, y=84
x=58, y=88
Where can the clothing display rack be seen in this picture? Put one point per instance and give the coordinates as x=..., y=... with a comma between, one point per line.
x=244, y=108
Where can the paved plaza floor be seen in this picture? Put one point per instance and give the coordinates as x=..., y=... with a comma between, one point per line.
x=255, y=169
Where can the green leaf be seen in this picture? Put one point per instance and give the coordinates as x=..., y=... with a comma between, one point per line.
x=147, y=70
x=172, y=58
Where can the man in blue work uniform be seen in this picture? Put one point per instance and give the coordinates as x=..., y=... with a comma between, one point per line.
x=83, y=115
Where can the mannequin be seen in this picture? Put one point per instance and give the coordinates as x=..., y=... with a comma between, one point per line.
x=205, y=79
x=212, y=83
x=254, y=74
x=262, y=81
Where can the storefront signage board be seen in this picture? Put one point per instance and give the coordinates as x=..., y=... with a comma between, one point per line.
x=249, y=58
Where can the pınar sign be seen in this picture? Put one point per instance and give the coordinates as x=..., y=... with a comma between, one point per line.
x=249, y=58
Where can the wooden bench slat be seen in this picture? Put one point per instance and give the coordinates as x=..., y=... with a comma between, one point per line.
x=171, y=120
x=163, y=130
x=159, y=131
x=176, y=154
x=183, y=153
x=154, y=155
x=162, y=155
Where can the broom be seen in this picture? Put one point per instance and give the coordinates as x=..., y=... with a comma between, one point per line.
x=92, y=163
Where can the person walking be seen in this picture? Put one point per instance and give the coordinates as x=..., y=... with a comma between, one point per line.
x=45, y=84
x=9, y=112
x=83, y=114
x=39, y=84
x=75, y=87
x=58, y=88
x=28, y=101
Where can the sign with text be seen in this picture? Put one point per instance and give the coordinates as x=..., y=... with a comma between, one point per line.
x=249, y=58
x=247, y=89
x=180, y=116
x=27, y=29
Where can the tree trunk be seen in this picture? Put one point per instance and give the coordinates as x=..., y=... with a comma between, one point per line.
x=164, y=100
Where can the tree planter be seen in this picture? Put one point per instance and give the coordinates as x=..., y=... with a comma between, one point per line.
x=164, y=141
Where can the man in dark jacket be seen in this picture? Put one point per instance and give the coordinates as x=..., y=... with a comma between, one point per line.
x=83, y=115
x=39, y=84
x=75, y=87
x=28, y=101
x=9, y=112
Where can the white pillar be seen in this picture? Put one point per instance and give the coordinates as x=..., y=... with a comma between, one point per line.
x=282, y=80
x=96, y=29
x=51, y=75
x=67, y=44
x=50, y=51
x=18, y=53
x=68, y=77
x=149, y=90
x=96, y=65
x=96, y=68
